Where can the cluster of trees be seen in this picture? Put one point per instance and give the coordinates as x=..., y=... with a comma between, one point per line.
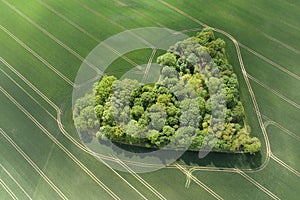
x=194, y=104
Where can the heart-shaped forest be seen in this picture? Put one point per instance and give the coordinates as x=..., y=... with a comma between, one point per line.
x=195, y=104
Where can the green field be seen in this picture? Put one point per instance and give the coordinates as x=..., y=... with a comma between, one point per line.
x=44, y=42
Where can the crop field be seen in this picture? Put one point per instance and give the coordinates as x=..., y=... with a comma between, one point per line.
x=42, y=46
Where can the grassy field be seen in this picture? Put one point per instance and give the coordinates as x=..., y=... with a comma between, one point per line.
x=42, y=45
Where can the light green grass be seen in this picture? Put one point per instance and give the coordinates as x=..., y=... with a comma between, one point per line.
x=278, y=180
x=11, y=184
x=230, y=185
x=284, y=146
x=277, y=109
x=54, y=161
x=244, y=20
x=172, y=183
x=284, y=83
x=4, y=194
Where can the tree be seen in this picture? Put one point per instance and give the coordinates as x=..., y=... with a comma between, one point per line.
x=108, y=117
x=153, y=137
x=103, y=89
x=205, y=36
x=197, y=82
x=81, y=103
x=184, y=137
x=164, y=99
x=99, y=109
x=189, y=113
x=173, y=111
x=157, y=114
x=183, y=106
x=147, y=99
x=86, y=120
x=214, y=85
x=168, y=131
x=136, y=112
x=135, y=133
x=169, y=72
x=216, y=47
x=238, y=113
x=252, y=146
x=167, y=59
x=198, y=140
x=231, y=101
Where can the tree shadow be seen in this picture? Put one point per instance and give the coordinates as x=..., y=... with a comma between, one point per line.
x=223, y=160
x=191, y=158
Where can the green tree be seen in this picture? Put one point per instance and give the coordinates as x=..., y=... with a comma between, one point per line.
x=238, y=113
x=252, y=146
x=99, y=109
x=86, y=119
x=103, y=89
x=164, y=99
x=167, y=59
x=157, y=114
x=205, y=36
x=136, y=112
x=184, y=136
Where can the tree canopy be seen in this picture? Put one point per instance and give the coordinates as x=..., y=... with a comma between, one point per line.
x=190, y=105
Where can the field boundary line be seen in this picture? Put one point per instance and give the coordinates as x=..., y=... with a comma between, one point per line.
x=48, y=156
x=274, y=64
x=69, y=135
x=198, y=182
x=288, y=47
x=190, y=30
x=205, y=25
x=113, y=22
x=36, y=55
x=296, y=51
x=114, y=171
x=81, y=29
x=257, y=184
x=291, y=102
x=27, y=93
x=286, y=166
x=290, y=25
x=15, y=181
x=275, y=158
x=8, y=190
x=149, y=64
x=28, y=82
x=74, y=53
x=65, y=133
x=287, y=131
x=27, y=158
x=62, y=147
x=141, y=14
x=183, y=13
x=140, y=179
x=85, y=32
x=211, y=169
x=280, y=18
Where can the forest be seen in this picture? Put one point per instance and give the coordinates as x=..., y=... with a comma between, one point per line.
x=194, y=105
